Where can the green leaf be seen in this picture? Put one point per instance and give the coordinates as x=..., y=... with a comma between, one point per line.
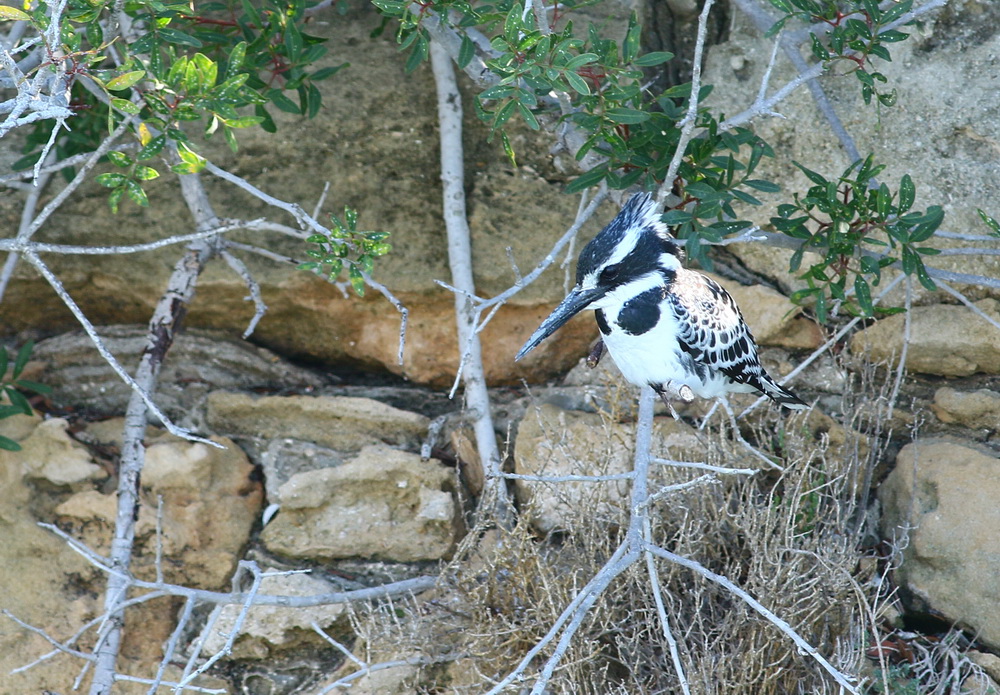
x=136, y=193
x=23, y=355
x=630, y=45
x=357, y=281
x=990, y=222
x=811, y=175
x=676, y=217
x=120, y=159
x=587, y=179
x=110, y=180
x=178, y=37
x=508, y=148
x=928, y=225
x=762, y=185
x=125, y=106
x=892, y=36
x=18, y=400
x=152, y=148
x=12, y=14
x=4, y=361
x=236, y=57
x=863, y=293
x=627, y=116
x=578, y=84
x=244, y=122
x=114, y=198
x=653, y=58
x=126, y=80
x=907, y=193
x=146, y=173
x=33, y=386
x=528, y=116
x=419, y=53
x=466, y=52
x=9, y=444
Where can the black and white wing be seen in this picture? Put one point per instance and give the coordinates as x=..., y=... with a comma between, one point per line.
x=712, y=331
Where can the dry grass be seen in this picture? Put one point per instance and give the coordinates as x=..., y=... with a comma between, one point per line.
x=790, y=539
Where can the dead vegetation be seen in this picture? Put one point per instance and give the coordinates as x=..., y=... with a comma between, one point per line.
x=799, y=541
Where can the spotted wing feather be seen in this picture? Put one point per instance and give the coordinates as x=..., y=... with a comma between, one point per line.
x=712, y=331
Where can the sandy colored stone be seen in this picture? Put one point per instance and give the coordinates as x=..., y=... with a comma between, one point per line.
x=945, y=339
x=270, y=629
x=36, y=567
x=946, y=494
x=976, y=409
x=385, y=504
x=339, y=422
x=556, y=442
x=210, y=503
x=50, y=454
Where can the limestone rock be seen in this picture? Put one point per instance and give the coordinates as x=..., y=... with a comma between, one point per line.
x=210, y=503
x=338, y=422
x=944, y=339
x=385, y=504
x=945, y=494
x=198, y=362
x=270, y=629
x=556, y=442
x=36, y=569
x=978, y=409
x=402, y=679
x=50, y=454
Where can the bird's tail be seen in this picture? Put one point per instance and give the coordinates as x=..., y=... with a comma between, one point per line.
x=780, y=395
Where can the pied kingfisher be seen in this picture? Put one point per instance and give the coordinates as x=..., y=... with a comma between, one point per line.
x=664, y=325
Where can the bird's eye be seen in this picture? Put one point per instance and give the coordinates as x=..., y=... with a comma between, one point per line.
x=610, y=274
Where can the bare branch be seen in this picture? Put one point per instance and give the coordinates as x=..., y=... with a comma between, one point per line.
x=260, y=308
x=477, y=399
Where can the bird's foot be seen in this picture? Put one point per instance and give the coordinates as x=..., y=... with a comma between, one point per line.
x=677, y=391
x=670, y=390
x=595, y=354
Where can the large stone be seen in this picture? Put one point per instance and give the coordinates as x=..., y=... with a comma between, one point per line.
x=552, y=442
x=944, y=339
x=942, y=495
x=270, y=629
x=198, y=362
x=338, y=422
x=978, y=409
x=385, y=504
x=40, y=576
x=210, y=503
x=50, y=454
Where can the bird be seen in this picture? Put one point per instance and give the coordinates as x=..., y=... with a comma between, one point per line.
x=664, y=325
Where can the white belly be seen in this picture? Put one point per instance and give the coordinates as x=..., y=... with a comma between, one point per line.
x=655, y=357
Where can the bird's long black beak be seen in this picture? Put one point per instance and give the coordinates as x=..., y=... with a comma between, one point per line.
x=575, y=302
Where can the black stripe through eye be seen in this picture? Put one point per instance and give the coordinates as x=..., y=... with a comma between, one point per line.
x=609, y=274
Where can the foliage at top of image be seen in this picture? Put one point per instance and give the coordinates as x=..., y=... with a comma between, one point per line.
x=174, y=73
x=564, y=73
x=218, y=64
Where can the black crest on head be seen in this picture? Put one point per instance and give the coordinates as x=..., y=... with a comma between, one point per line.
x=637, y=218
